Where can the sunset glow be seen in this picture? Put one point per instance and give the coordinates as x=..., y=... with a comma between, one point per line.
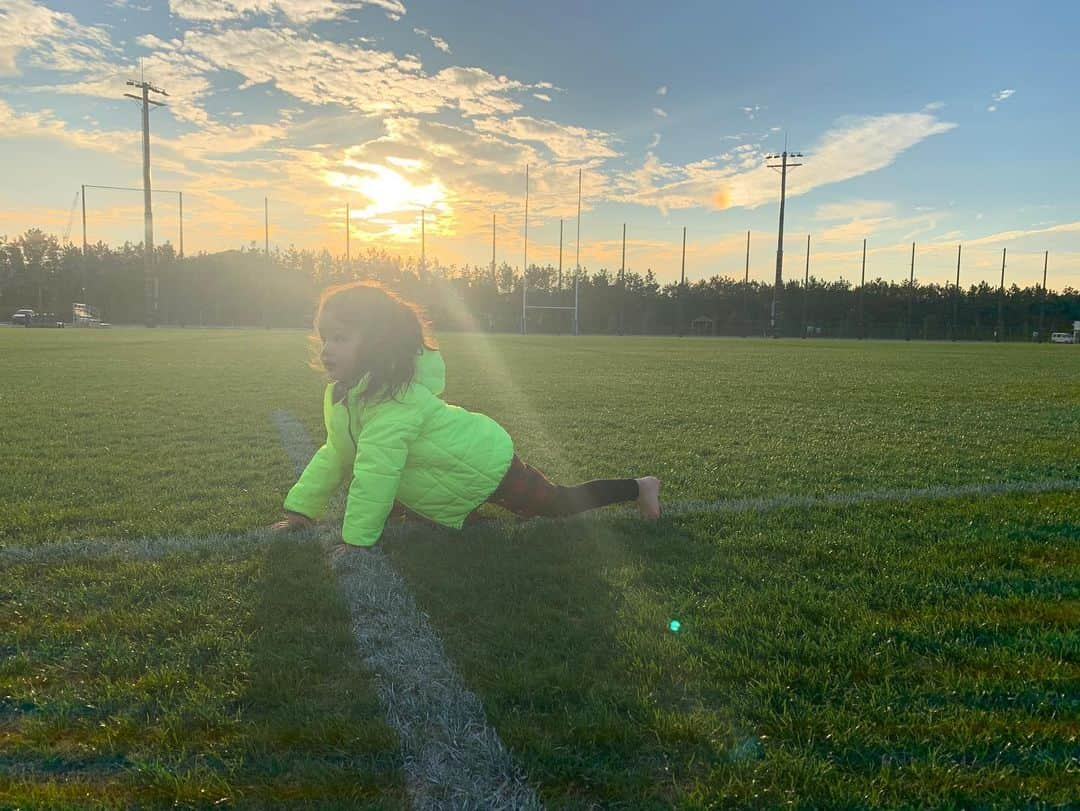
x=391, y=107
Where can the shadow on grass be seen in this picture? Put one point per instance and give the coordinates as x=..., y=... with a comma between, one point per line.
x=317, y=736
x=216, y=677
x=542, y=619
x=877, y=655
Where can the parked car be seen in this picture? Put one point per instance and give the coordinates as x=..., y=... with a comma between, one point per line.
x=47, y=320
x=23, y=317
x=1062, y=338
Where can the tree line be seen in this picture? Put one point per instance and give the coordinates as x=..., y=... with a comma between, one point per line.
x=245, y=287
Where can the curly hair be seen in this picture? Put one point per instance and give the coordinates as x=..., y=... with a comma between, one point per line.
x=394, y=332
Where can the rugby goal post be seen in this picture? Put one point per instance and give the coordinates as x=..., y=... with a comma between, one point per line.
x=85, y=315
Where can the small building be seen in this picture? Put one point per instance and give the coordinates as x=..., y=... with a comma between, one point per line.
x=702, y=325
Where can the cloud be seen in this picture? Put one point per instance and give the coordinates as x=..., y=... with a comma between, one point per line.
x=934, y=105
x=438, y=42
x=55, y=40
x=999, y=97
x=659, y=112
x=542, y=96
x=300, y=11
x=853, y=209
x=853, y=147
x=661, y=90
x=565, y=142
x=364, y=79
x=181, y=73
x=751, y=112
x=45, y=124
x=655, y=142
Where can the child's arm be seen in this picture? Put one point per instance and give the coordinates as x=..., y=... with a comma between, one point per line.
x=381, y=451
x=310, y=496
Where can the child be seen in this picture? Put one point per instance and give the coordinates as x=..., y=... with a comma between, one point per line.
x=404, y=446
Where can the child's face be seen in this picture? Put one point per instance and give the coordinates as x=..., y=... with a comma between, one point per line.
x=341, y=347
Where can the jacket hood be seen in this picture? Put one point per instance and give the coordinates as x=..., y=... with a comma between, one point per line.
x=431, y=371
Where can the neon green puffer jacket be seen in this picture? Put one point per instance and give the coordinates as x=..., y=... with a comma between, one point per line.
x=437, y=459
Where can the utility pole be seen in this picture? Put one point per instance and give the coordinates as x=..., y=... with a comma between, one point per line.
x=150, y=287
x=956, y=297
x=83, y=193
x=577, y=257
x=423, y=256
x=746, y=290
x=494, y=280
x=806, y=286
x=777, y=288
x=911, y=295
x=862, y=294
x=525, y=262
x=682, y=284
x=180, y=194
x=1042, y=304
x=348, y=246
x=1000, y=332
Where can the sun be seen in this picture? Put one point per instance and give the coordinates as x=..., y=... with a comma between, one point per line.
x=391, y=197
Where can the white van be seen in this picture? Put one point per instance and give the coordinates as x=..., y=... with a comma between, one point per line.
x=1062, y=338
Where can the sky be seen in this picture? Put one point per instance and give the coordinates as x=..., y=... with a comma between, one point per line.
x=938, y=124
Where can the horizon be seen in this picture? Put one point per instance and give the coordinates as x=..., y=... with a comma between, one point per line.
x=392, y=106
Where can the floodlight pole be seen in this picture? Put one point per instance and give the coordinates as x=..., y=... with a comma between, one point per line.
x=682, y=284
x=150, y=277
x=1042, y=304
x=911, y=295
x=806, y=286
x=746, y=290
x=999, y=333
x=560, y=254
x=423, y=247
x=777, y=291
x=956, y=296
x=83, y=193
x=494, y=280
x=525, y=261
x=266, y=243
x=862, y=294
x=622, y=281
x=577, y=258
x=348, y=246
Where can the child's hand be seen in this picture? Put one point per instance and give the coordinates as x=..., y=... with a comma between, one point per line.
x=292, y=522
x=342, y=550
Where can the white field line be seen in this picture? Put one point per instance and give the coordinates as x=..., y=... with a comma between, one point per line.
x=132, y=549
x=767, y=504
x=155, y=548
x=452, y=758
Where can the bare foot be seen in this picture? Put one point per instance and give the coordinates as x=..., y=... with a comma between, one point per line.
x=648, y=500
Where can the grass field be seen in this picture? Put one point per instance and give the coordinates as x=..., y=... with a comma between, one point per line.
x=905, y=653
